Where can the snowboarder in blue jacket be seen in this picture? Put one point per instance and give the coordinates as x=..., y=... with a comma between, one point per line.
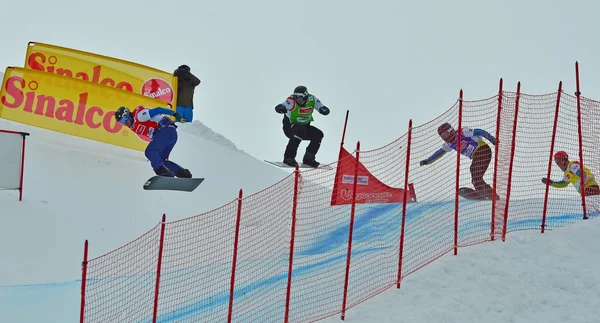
x=154, y=125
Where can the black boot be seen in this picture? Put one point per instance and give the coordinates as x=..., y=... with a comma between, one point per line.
x=290, y=161
x=309, y=159
x=183, y=173
x=164, y=171
x=289, y=156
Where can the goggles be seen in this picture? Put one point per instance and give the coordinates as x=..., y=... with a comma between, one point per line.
x=123, y=120
x=300, y=98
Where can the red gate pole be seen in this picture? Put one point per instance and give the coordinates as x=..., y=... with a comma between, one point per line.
x=83, y=281
x=235, y=251
x=351, y=229
x=292, y=239
x=159, y=265
x=512, y=157
x=582, y=181
x=399, y=278
x=458, y=148
x=551, y=157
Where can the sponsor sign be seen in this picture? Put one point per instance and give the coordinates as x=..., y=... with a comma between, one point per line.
x=104, y=70
x=70, y=105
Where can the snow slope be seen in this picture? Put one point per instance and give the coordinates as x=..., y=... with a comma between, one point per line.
x=532, y=277
x=76, y=189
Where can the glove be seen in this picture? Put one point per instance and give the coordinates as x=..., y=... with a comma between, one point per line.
x=544, y=180
x=179, y=73
x=178, y=118
x=280, y=109
x=324, y=110
x=423, y=163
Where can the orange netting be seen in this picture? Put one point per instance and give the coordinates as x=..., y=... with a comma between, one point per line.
x=322, y=241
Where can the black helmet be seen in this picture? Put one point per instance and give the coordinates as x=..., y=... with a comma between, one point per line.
x=300, y=94
x=181, y=70
x=122, y=114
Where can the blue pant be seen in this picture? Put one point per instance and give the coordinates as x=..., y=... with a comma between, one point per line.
x=185, y=112
x=160, y=147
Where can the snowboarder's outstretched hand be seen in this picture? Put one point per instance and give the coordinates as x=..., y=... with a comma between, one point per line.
x=324, y=110
x=280, y=109
x=423, y=163
x=178, y=118
x=544, y=180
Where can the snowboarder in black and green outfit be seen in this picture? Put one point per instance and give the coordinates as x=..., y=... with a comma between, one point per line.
x=297, y=110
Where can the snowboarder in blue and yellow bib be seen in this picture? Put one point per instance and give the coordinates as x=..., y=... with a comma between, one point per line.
x=572, y=175
x=473, y=147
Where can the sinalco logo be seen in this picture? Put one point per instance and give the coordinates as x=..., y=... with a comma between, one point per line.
x=158, y=89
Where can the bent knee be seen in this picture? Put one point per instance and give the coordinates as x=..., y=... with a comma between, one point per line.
x=319, y=134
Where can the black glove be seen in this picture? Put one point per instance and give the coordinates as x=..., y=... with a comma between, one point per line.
x=324, y=110
x=544, y=180
x=280, y=109
x=423, y=163
x=178, y=118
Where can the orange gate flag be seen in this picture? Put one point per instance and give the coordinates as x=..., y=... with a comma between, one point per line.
x=70, y=106
x=103, y=70
x=369, y=189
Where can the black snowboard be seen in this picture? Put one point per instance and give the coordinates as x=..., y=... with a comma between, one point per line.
x=172, y=183
x=302, y=165
x=470, y=194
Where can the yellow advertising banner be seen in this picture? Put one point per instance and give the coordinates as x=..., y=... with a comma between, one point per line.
x=103, y=70
x=71, y=106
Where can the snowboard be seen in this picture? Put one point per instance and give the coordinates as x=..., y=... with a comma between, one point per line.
x=172, y=183
x=301, y=165
x=470, y=194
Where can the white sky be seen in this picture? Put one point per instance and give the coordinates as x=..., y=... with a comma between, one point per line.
x=385, y=61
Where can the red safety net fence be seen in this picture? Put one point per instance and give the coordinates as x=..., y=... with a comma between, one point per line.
x=322, y=241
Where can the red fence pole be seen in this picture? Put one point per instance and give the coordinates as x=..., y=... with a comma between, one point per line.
x=24, y=134
x=351, y=229
x=160, y=252
x=235, y=250
x=581, y=180
x=83, y=281
x=399, y=278
x=292, y=239
x=495, y=182
x=512, y=157
x=551, y=157
x=458, y=148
